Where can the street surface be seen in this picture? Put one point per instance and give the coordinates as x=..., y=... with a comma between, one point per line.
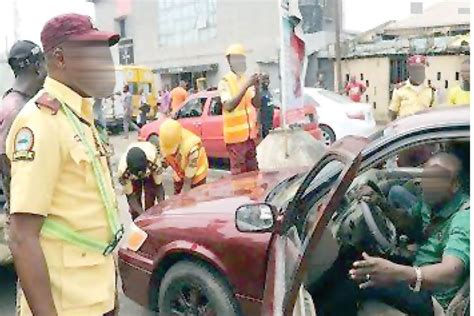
x=127, y=307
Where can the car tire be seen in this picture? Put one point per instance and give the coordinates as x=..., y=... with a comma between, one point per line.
x=329, y=136
x=186, y=279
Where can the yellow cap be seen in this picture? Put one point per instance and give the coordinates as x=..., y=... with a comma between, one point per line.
x=236, y=49
x=170, y=137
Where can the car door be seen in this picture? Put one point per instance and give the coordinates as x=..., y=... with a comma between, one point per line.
x=301, y=227
x=190, y=114
x=212, y=131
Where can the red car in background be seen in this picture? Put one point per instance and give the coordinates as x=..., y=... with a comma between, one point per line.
x=201, y=113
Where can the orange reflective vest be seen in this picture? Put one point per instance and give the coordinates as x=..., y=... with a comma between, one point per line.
x=180, y=161
x=241, y=123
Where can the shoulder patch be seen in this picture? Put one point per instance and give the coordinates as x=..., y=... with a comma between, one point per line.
x=49, y=102
x=24, y=142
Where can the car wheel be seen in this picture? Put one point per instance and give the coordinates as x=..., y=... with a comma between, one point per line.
x=192, y=288
x=328, y=135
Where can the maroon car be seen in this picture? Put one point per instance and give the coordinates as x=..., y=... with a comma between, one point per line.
x=251, y=244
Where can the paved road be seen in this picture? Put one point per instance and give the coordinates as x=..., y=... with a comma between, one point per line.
x=127, y=307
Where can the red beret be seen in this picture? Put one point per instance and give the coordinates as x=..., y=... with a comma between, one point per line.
x=417, y=60
x=73, y=27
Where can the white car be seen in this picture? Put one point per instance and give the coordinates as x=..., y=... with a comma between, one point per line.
x=339, y=116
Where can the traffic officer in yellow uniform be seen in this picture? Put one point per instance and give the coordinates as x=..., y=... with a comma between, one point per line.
x=140, y=173
x=461, y=95
x=186, y=155
x=413, y=95
x=64, y=219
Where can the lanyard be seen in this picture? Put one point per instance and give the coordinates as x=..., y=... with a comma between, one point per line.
x=111, y=210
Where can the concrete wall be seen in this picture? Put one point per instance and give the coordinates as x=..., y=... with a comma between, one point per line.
x=252, y=23
x=376, y=72
x=447, y=66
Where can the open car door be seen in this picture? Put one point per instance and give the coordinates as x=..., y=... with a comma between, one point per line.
x=303, y=224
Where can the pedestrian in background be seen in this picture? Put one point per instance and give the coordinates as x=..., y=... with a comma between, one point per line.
x=144, y=108
x=461, y=94
x=240, y=98
x=266, y=108
x=27, y=63
x=320, y=81
x=178, y=96
x=58, y=164
x=127, y=112
x=413, y=95
x=165, y=106
x=355, y=89
x=99, y=112
x=26, y=60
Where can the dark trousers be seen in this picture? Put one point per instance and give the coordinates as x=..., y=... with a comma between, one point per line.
x=243, y=157
x=153, y=193
x=343, y=297
x=336, y=294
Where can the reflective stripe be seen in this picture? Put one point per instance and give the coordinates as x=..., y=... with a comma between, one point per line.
x=190, y=141
x=64, y=232
x=241, y=123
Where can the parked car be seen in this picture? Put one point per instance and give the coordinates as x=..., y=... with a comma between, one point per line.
x=201, y=113
x=339, y=116
x=246, y=245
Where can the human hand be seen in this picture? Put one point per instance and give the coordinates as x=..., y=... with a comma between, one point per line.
x=375, y=272
x=253, y=80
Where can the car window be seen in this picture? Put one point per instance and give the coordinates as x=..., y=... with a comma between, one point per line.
x=215, y=109
x=192, y=108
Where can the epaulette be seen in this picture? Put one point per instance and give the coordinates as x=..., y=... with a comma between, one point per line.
x=47, y=101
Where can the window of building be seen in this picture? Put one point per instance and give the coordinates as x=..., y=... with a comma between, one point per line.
x=429, y=82
x=366, y=98
x=457, y=75
x=375, y=105
x=367, y=83
x=362, y=77
x=438, y=76
x=446, y=84
x=182, y=21
x=121, y=27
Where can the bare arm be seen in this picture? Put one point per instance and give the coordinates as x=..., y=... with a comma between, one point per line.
x=30, y=263
x=231, y=104
x=234, y=102
x=441, y=275
x=385, y=273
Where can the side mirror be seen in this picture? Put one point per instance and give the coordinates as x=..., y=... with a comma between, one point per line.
x=255, y=218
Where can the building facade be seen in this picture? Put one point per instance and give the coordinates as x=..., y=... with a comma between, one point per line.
x=186, y=40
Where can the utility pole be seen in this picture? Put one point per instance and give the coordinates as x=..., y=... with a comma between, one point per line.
x=337, y=44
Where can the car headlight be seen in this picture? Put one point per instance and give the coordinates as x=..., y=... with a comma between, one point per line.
x=136, y=238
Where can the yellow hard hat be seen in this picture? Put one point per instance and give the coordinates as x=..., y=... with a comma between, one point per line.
x=236, y=49
x=170, y=137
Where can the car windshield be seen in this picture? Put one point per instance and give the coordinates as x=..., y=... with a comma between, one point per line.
x=282, y=194
x=335, y=97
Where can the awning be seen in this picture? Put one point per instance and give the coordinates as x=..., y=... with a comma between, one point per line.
x=195, y=68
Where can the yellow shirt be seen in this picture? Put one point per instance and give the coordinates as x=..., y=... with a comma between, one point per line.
x=409, y=99
x=52, y=176
x=155, y=167
x=225, y=92
x=457, y=96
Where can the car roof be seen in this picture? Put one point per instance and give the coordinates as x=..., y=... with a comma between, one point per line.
x=444, y=115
